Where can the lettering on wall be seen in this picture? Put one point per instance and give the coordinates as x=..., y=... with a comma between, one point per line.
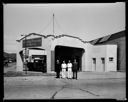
x=35, y=42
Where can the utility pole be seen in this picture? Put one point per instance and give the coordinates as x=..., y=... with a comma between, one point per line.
x=53, y=23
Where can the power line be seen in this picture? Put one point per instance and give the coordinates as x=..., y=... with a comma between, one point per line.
x=42, y=30
x=59, y=27
x=53, y=21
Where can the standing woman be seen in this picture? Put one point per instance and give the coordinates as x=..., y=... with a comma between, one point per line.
x=63, y=66
x=69, y=65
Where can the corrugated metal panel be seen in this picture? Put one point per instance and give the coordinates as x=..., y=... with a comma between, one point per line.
x=94, y=41
x=105, y=38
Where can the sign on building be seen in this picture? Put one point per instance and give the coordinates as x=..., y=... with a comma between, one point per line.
x=35, y=42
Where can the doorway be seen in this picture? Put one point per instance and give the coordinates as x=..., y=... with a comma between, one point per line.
x=103, y=64
x=94, y=64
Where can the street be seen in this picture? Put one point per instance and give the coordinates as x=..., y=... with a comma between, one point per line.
x=48, y=87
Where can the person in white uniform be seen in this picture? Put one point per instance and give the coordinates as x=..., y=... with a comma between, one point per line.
x=63, y=66
x=69, y=65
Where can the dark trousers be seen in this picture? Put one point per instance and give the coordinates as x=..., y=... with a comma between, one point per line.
x=74, y=74
x=57, y=74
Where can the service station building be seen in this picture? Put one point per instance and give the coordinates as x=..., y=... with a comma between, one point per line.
x=42, y=52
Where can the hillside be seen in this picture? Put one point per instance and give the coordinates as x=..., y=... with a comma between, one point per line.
x=11, y=56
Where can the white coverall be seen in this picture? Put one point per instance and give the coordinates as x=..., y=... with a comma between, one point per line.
x=63, y=66
x=69, y=65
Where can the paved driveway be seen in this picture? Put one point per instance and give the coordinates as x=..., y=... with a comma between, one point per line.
x=48, y=87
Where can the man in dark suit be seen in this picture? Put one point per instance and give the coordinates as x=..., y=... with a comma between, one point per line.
x=57, y=69
x=74, y=69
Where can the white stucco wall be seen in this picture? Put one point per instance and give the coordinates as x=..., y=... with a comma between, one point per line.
x=98, y=52
x=19, y=63
x=111, y=52
x=46, y=44
x=88, y=55
x=67, y=41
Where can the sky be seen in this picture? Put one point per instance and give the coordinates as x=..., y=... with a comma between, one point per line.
x=87, y=21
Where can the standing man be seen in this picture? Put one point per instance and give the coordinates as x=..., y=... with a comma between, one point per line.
x=74, y=69
x=63, y=66
x=69, y=65
x=57, y=69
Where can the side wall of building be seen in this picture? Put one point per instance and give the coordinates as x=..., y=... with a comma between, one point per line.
x=121, y=52
x=111, y=58
x=97, y=58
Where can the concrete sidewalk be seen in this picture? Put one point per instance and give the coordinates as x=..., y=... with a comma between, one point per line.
x=101, y=75
x=90, y=85
x=81, y=75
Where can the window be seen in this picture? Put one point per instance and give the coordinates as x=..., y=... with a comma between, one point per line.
x=111, y=59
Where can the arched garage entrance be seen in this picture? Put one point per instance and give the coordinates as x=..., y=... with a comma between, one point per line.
x=69, y=53
x=65, y=48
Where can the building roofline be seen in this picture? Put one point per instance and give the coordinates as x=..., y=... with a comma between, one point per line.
x=99, y=39
x=46, y=36
x=62, y=35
